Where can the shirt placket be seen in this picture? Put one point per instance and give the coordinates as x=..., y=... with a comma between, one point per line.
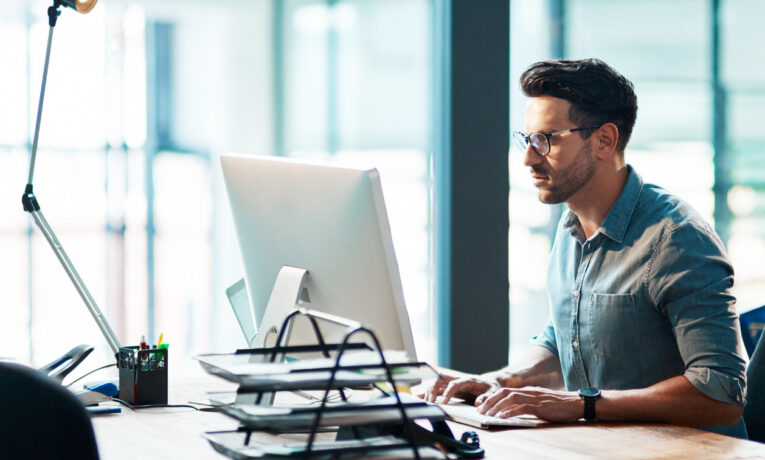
x=584, y=257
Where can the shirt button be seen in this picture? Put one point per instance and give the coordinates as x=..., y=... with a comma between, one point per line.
x=575, y=344
x=576, y=293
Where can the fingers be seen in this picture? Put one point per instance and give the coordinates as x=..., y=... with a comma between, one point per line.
x=435, y=390
x=559, y=406
x=519, y=409
x=458, y=386
x=488, y=401
x=432, y=393
x=484, y=396
x=466, y=386
x=451, y=389
x=447, y=388
x=502, y=400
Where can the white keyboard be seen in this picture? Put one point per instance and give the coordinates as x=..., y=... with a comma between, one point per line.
x=468, y=415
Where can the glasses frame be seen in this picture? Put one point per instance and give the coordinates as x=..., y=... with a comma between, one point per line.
x=524, y=140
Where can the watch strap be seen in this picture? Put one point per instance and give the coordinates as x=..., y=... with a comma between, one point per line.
x=589, y=407
x=590, y=395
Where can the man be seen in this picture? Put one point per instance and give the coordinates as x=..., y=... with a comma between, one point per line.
x=643, y=325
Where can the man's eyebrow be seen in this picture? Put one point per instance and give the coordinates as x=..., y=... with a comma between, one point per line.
x=545, y=131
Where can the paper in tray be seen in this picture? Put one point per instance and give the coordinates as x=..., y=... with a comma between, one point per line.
x=381, y=410
x=231, y=444
x=310, y=374
x=249, y=364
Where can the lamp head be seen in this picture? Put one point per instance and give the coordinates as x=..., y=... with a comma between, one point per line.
x=82, y=6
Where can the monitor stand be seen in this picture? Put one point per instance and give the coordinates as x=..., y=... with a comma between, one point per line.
x=287, y=293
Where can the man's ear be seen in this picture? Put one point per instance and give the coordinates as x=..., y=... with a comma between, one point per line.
x=606, y=137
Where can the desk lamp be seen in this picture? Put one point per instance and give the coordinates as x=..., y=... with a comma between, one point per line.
x=29, y=200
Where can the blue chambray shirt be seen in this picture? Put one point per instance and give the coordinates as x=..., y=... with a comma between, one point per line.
x=646, y=298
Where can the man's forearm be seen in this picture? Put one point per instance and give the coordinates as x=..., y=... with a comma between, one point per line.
x=673, y=400
x=539, y=367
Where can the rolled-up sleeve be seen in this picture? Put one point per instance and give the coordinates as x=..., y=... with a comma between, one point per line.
x=547, y=338
x=690, y=281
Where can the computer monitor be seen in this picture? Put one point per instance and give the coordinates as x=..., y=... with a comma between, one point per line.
x=328, y=220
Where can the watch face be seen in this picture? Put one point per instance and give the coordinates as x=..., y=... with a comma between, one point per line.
x=589, y=392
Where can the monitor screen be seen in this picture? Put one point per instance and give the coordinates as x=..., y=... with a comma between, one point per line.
x=330, y=221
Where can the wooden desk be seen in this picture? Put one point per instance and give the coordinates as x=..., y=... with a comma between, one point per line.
x=612, y=441
x=175, y=433
x=164, y=433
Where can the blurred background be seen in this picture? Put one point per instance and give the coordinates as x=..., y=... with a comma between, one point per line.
x=144, y=96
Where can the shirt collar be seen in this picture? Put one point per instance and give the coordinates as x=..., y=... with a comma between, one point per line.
x=615, y=224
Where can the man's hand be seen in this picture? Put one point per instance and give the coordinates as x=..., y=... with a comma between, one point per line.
x=465, y=387
x=555, y=406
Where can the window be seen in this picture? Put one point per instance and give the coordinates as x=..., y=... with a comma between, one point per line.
x=141, y=101
x=83, y=176
x=356, y=86
x=666, y=48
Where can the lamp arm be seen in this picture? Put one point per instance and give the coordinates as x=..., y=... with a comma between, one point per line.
x=29, y=201
x=53, y=13
x=101, y=321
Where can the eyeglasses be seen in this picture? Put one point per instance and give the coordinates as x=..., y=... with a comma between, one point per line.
x=540, y=142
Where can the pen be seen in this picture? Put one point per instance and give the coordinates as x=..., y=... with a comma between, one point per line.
x=103, y=410
x=159, y=342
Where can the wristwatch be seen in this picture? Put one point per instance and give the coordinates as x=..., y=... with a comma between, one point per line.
x=590, y=395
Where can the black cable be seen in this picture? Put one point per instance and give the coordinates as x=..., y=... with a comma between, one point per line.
x=88, y=373
x=146, y=406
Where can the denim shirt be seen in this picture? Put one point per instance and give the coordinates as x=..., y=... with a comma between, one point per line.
x=646, y=298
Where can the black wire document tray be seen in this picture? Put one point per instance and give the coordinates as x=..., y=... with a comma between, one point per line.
x=231, y=444
x=379, y=428
x=381, y=410
x=355, y=369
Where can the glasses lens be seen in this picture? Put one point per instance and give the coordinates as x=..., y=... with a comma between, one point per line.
x=520, y=140
x=539, y=143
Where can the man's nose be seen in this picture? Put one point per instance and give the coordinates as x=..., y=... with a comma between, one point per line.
x=530, y=156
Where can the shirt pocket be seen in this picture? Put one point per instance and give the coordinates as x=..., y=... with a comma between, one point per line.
x=613, y=326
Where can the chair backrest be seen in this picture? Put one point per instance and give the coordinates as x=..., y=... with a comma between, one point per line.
x=752, y=324
x=754, y=412
x=40, y=419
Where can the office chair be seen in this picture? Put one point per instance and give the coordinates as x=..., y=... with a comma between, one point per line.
x=40, y=419
x=754, y=412
x=752, y=324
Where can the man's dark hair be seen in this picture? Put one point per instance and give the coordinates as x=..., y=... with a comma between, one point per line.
x=598, y=94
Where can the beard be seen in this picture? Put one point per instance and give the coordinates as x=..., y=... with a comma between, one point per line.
x=566, y=182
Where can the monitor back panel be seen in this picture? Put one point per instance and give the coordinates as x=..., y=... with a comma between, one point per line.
x=331, y=221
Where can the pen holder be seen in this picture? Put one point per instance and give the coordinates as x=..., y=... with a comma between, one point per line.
x=143, y=375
